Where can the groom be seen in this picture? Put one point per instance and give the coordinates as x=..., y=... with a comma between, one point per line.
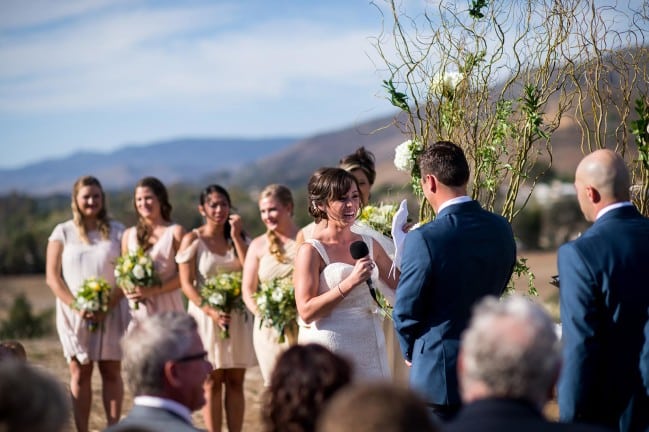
x=448, y=265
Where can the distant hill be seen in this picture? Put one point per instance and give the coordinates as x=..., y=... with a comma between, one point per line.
x=243, y=162
x=250, y=164
x=294, y=164
x=247, y=163
x=173, y=161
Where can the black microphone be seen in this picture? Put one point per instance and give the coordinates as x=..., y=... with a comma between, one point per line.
x=358, y=250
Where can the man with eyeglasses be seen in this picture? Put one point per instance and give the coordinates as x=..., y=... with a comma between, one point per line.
x=165, y=365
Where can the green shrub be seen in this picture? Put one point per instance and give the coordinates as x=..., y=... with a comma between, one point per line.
x=22, y=323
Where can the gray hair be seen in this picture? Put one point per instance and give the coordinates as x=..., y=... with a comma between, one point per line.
x=150, y=344
x=511, y=348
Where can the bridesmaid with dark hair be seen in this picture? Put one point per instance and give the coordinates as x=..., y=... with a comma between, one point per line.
x=158, y=236
x=218, y=246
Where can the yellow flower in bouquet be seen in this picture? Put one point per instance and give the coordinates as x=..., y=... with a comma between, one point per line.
x=276, y=305
x=379, y=217
x=223, y=292
x=134, y=269
x=93, y=296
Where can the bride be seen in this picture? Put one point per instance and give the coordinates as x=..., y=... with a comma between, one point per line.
x=331, y=293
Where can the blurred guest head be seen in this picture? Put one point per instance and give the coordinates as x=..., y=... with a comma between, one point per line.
x=509, y=350
x=164, y=357
x=304, y=379
x=376, y=407
x=30, y=399
x=12, y=349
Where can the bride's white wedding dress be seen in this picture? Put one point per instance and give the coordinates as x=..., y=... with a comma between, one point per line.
x=354, y=328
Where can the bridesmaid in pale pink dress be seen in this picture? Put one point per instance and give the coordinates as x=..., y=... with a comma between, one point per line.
x=87, y=246
x=218, y=246
x=158, y=236
x=270, y=256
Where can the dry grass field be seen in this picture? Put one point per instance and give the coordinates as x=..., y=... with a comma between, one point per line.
x=47, y=353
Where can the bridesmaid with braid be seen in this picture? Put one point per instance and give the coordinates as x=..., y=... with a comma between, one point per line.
x=158, y=236
x=270, y=256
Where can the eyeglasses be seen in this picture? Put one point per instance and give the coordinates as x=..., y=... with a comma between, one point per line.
x=192, y=357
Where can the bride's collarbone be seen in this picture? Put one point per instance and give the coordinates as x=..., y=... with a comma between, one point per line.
x=339, y=253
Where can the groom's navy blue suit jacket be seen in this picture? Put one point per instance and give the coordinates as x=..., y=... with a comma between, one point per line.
x=448, y=264
x=604, y=298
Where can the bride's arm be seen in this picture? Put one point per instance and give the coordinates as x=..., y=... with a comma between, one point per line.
x=306, y=280
x=312, y=306
x=384, y=264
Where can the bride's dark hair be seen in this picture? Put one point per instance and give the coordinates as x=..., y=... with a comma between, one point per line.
x=326, y=185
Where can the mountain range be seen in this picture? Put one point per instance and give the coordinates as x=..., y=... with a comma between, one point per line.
x=248, y=163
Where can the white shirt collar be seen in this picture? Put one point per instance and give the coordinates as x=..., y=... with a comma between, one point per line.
x=452, y=201
x=167, y=404
x=613, y=206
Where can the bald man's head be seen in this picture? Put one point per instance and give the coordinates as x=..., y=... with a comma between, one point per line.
x=601, y=179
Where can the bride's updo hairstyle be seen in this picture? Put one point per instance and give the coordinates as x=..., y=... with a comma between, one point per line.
x=326, y=185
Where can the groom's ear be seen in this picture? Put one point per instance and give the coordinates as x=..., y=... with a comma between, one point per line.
x=430, y=183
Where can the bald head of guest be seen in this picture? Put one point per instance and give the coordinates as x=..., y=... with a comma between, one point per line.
x=601, y=179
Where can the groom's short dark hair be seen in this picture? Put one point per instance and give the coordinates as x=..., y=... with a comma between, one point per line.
x=446, y=161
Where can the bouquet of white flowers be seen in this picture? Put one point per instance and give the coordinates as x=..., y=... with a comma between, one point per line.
x=379, y=218
x=223, y=292
x=276, y=305
x=135, y=269
x=93, y=296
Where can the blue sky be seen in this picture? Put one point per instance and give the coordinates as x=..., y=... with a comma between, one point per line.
x=100, y=74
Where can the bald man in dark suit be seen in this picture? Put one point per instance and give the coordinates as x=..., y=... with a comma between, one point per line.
x=604, y=297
